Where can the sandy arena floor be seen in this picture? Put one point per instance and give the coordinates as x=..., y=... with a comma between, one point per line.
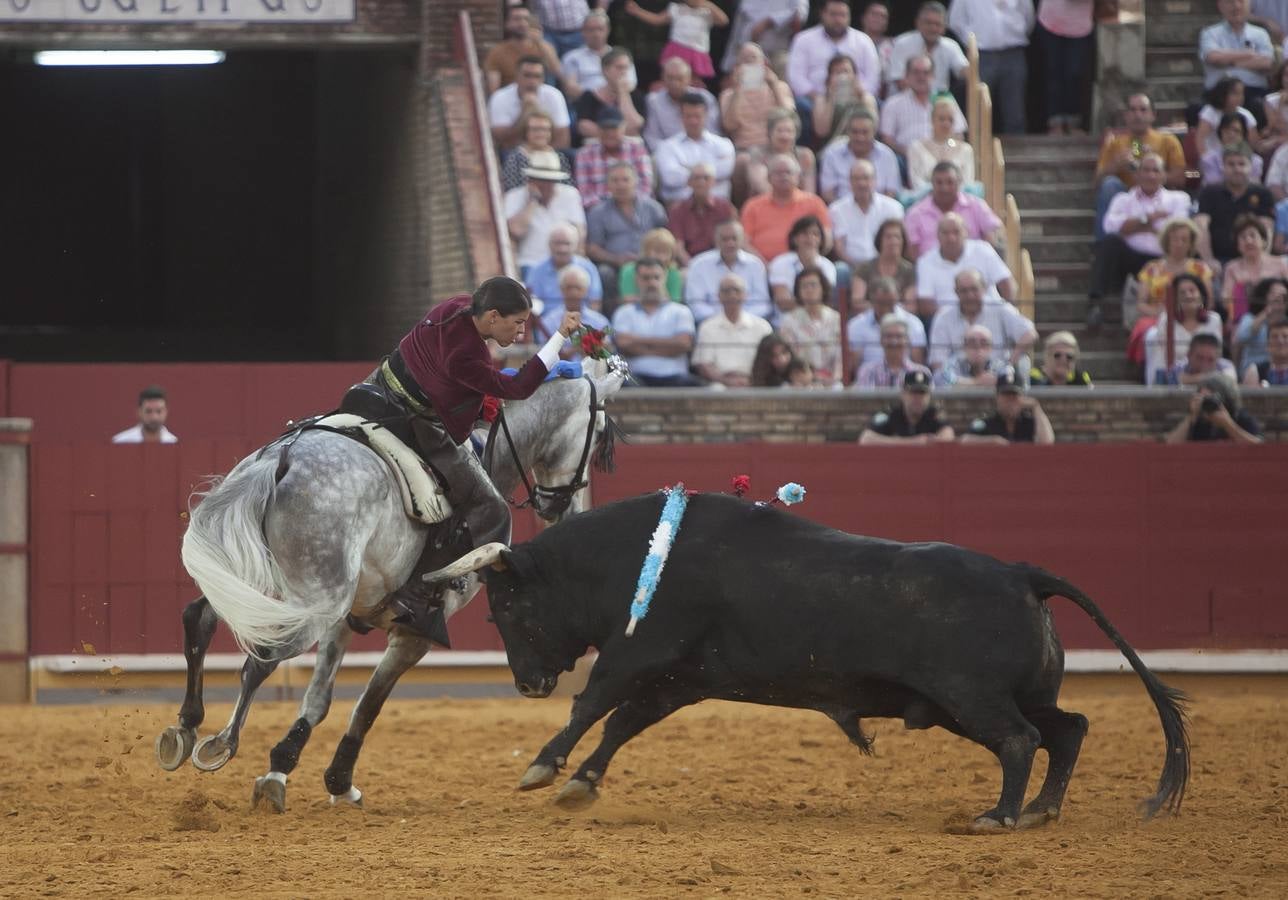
x=719, y=799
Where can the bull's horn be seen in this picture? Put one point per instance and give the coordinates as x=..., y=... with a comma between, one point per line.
x=470, y=562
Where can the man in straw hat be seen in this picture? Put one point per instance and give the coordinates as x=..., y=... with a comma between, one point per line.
x=534, y=209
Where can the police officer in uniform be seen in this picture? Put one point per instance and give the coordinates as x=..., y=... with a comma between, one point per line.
x=913, y=419
x=1018, y=419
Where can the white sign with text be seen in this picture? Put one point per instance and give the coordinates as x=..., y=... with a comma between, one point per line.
x=186, y=11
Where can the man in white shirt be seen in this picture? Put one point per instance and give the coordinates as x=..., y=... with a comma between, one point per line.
x=654, y=334
x=505, y=107
x=1234, y=48
x=702, y=284
x=856, y=218
x=1002, y=30
x=677, y=155
x=583, y=68
x=663, y=109
x=770, y=24
x=905, y=117
x=534, y=209
x=928, y=40
x=863, y=332
x=152, y=415
x=1013, y=334
x=937, y=269
x=813, y=48
x=727, y=342
x=839, y=156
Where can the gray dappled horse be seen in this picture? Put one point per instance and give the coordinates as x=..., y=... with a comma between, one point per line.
x=306, y=558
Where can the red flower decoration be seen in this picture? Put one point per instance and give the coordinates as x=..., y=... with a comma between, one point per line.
x=593, y=345
x=741, y=485
x=491, y=406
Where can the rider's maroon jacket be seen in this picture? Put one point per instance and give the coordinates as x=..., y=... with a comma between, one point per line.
x=450, y=361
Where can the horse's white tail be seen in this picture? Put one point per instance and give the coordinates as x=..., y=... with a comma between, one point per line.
x=226, y=553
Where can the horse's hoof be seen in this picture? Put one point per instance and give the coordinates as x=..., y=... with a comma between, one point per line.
x=576, y=794
x=537, y=777
x=352, y=797
x=1037, y=818
x=211, y=753
x=173, y=746
x=989, y=825
x=271, y=790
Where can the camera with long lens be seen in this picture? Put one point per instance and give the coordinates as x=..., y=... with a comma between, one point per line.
x=1209, y=405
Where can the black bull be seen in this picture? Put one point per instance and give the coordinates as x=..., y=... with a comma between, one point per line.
x=761, y=606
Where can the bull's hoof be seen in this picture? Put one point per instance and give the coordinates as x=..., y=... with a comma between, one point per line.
x=1037, y=817
x=173, y=746
x=576, y=794
x=270, y=790
x=211, y=753
x=351, y=797
x=990, y=825
x=537, y=776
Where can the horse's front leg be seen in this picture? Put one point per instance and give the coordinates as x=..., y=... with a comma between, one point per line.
x=174, y=745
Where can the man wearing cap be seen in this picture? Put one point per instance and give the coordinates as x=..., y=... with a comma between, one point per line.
x=1019, y=418
x=505, y=107
x=533, y=210
x=914, y=419
x=614, y=144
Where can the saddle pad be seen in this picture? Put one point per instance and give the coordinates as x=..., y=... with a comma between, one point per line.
x=421, y=496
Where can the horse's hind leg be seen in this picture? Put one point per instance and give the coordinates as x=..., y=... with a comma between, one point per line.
x=313, y=709
x=404, y=651
x=174, y=745
x=214, y=752
x=1062, y=733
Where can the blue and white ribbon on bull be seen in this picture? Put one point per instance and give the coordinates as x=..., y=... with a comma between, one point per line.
x=659, y=549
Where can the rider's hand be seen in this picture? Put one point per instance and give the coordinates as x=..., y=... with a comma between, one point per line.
x=571, y=322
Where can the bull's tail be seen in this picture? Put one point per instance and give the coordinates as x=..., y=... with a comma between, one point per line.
x=227, y=555
x=1170, y=702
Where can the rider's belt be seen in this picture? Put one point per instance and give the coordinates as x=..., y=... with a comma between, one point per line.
x=402, y=384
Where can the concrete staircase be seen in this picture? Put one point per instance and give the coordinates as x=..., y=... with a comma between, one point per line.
x=1172, y=67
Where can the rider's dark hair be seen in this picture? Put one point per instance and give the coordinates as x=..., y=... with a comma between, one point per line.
x=152, y=392
x=503, y=294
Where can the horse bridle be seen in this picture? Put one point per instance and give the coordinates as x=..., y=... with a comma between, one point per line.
x=559, y=498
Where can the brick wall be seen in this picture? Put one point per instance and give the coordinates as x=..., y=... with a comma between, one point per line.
x=656, y=416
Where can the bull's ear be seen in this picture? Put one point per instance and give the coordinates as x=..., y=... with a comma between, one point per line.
x=518, y=562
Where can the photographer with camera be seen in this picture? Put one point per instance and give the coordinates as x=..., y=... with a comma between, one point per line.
x=1216, y=415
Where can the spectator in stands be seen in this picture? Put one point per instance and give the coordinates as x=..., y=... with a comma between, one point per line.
x=583, y=67
x=616, y=225
x=505, y=108
x=973, y=366
x=952, y=327
x=800, y=374
x=938, y=269
x=768, y=218
x=1235, y=49
x=1186, y=317
x=533, y=210
x=843, y=96
x=805, y=245
x=1017, y=419
x=537, y=129
x=874, y=21
x=1231, y=132
x=693, y=220
x=856, y=218
x=812, y=48
x=614, y=94
x=1002, y=34
x=771, y=24
x=745, y=105
x=839, y=157
x=1121, y=152
x=1223, y=99
x=946, y=196
x=707, y=269
x=1060, y=363
x=1253, y=263
x=1215, y=412
x=905, y=117
x=676, y=155
x=1133, y=225
x=1179, y=239
x=914, y=419
x=653, y=334
x=1273, y=371
x=690, y=22
x=574, y=287
x=522, y=40
x=563, y=22
x=1266, y=304
x=656, y=244
x=944, y=144
x=864, y=331
x=927, y=39
x=1276, y=177
x=891, y=261
x=1275, y=131
x=1272, y=15
x=784, y=129
x=152, y=412
x=1066, y=41
x=543, y=279
x=614, y=145
x=773, y=358
x=813, y=328
x=645, y=43
x=663, y=110
x=1221, y=204
x=888, y=367
x=727, y=342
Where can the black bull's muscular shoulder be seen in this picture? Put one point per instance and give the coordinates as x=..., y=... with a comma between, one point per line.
x=759, y=605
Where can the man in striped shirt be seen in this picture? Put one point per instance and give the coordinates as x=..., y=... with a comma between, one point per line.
x=889, y=370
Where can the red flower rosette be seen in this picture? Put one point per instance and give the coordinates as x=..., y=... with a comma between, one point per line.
x=491, y=406
x=741, y=485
